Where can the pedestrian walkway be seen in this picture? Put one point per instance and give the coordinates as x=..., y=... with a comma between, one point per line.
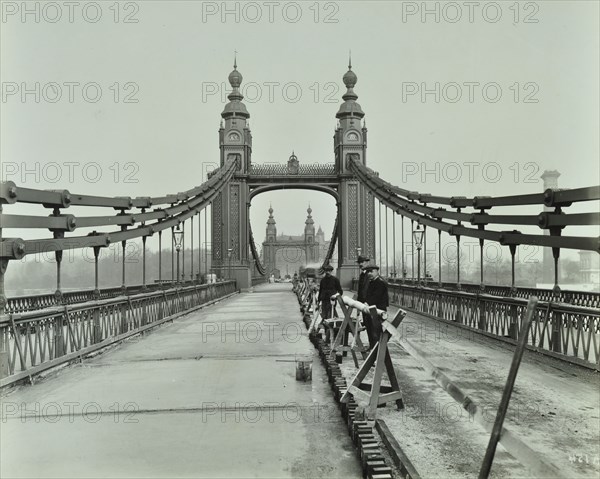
x=213, y=394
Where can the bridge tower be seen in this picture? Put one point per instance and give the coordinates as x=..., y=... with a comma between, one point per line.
x=230, y=209
x=356, y=228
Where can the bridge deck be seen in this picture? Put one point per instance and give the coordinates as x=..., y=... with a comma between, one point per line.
x=212, y=395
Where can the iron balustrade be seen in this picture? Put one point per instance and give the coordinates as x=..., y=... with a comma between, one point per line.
x=21, y=304
x=565, y=331
x=588, y=299
x=34, y=341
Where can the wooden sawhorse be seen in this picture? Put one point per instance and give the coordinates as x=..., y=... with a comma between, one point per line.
x=380, y=358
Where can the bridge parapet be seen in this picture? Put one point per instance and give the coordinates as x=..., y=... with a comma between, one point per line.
x=34, y=341
x=565, y=331
x=587, y=299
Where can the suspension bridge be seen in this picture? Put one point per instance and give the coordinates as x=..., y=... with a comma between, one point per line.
x=169, y=402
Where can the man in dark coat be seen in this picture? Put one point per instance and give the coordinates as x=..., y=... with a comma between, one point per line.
x=377, y=295
x=329, y=286
x=363, y=285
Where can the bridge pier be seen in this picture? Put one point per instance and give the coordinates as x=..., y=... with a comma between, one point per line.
x=345, y=274
x=243, y=277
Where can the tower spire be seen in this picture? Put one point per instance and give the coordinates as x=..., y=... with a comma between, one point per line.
x=350, y=108
x=235, y=107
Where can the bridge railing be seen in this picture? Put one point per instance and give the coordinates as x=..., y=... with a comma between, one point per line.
x=588, y=299
x=21, y=304
x=34, y=341
x=566, y=331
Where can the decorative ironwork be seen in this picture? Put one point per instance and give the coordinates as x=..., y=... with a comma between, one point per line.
x=217, y=228
x=316, y=170
x=234, y=217
x=369, y=224
x=565, y=329
x=352, y=220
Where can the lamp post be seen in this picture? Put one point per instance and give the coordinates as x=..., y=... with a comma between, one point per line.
x=178, y=239
x=229, y=251
x=418, y=238
x=358, y=251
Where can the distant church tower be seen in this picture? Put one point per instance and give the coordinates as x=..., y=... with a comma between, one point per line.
x=309, y=238
x=270, y=246
x=320, y=238
x=271, y=228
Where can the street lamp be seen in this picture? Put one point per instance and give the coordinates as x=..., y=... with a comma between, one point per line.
x=418, y=238
x=178, y=239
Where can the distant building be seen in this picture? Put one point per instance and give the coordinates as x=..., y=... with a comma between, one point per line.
x=284, y=254
x=589, y=268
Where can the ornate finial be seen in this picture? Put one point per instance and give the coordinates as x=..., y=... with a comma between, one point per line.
x=235, y=59
x=350, y=108
x=349, y=59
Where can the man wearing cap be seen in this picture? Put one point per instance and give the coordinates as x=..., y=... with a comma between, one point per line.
x=377, y=295
x=329, y=286
x=363, y=285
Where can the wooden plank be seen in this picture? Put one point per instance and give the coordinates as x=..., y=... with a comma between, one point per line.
x=358, y=393
x=508, y=389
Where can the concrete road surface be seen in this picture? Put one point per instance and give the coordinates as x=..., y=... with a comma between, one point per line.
x=213, y=394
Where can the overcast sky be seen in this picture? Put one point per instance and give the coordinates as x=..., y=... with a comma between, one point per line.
x=517, y=94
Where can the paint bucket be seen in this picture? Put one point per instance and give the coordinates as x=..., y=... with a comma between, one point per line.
x=304, y=368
